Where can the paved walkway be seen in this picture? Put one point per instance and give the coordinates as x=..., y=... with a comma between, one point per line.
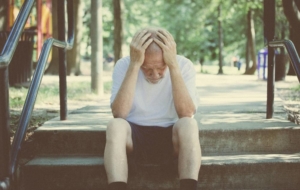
x=239, y=101
x=227, y=102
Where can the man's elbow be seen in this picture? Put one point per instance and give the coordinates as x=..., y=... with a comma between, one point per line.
x=186, y=114
x=118, y=114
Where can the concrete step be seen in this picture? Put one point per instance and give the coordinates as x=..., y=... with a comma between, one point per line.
x=226, y=133
x=258, y=171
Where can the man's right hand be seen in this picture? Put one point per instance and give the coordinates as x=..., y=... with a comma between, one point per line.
x=138, y=46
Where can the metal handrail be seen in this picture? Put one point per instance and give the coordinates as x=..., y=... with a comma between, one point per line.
x=5, y=58
x=30, y=99
x=295, y=62
x=293, y=56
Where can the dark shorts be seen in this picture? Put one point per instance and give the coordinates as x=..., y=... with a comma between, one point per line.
x=152, y=145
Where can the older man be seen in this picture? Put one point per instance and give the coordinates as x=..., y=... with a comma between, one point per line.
x=153, y=102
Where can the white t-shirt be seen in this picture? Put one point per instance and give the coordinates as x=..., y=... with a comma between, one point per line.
x=153, y=104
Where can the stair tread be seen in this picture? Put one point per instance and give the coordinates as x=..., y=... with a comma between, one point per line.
x=241, y=148
x=206, y=160
x=66, y=160
x=207, y=122
x=226, y=134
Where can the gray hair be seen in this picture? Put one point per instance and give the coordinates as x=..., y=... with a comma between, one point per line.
x=153, y=46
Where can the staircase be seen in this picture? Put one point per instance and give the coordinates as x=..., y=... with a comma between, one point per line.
x=241, y=149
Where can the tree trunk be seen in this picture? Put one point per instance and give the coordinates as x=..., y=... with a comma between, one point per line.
x=251, y=43
x=291, y=11
x=220, y=40
x=3, y=15
x=73, y=55
x=247, y=55
x=97, y=47
x=53, y=66
x=118, y=31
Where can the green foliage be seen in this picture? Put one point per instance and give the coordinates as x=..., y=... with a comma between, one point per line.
x=296, y=88
x=194, y=24
x=294, y=93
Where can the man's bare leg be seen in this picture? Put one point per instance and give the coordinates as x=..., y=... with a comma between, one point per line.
x=187, y=147
x=118, y=143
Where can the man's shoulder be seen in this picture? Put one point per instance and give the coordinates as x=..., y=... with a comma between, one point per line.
x=184, y=62
x=123, y=61
x=122, y=65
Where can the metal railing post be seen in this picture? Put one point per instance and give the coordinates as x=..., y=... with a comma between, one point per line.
x=269, y=32
x=4, y=127
x=62, y=61
x=270, y=83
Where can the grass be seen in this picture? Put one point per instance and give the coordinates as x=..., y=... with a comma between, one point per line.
x=48, y=96
x=49, y=93
x=295, y=91
x=213, y=69
x=296, y=88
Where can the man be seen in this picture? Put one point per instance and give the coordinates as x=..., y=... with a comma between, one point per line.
x=153, y=102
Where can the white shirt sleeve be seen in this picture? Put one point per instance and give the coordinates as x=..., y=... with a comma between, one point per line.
x=119, y=73
x=189, y=77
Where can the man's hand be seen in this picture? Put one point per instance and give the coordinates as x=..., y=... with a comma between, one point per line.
x=168, y=46
x=138, y=45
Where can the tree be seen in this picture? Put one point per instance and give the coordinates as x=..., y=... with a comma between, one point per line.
x=118, y=29
x=291, y=10
x=3, y=15
x=73, y=55
x=97, y=47
x=251, y=53
x=220, y=31
x=192, y=23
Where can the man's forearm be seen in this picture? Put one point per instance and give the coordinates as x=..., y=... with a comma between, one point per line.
x=182, y=100
x=123, y=102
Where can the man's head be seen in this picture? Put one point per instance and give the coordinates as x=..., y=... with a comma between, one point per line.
x=154, y=66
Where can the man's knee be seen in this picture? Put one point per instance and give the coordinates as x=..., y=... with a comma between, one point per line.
x=117, y=129
x=186, y=134
x=187, y=127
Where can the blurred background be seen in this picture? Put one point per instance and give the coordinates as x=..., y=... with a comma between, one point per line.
x=220, y=37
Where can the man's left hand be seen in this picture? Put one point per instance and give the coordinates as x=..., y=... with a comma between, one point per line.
x=168, y=46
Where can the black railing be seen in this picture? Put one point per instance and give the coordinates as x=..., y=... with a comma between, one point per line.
x=269, y=34
x=295, y=62
x=293, y=56
x=9, y=155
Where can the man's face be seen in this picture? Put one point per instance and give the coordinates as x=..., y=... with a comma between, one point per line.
x=154, y=67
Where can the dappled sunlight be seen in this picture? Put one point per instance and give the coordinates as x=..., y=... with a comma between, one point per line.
x=230, y=121
x=59, y=128
x=252, y=158
x=278, y=128
x=230, y=118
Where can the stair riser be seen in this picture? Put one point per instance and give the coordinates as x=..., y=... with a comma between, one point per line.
x=77, y=142
x=212, y=142
x=273, y=141
x=280, y=176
